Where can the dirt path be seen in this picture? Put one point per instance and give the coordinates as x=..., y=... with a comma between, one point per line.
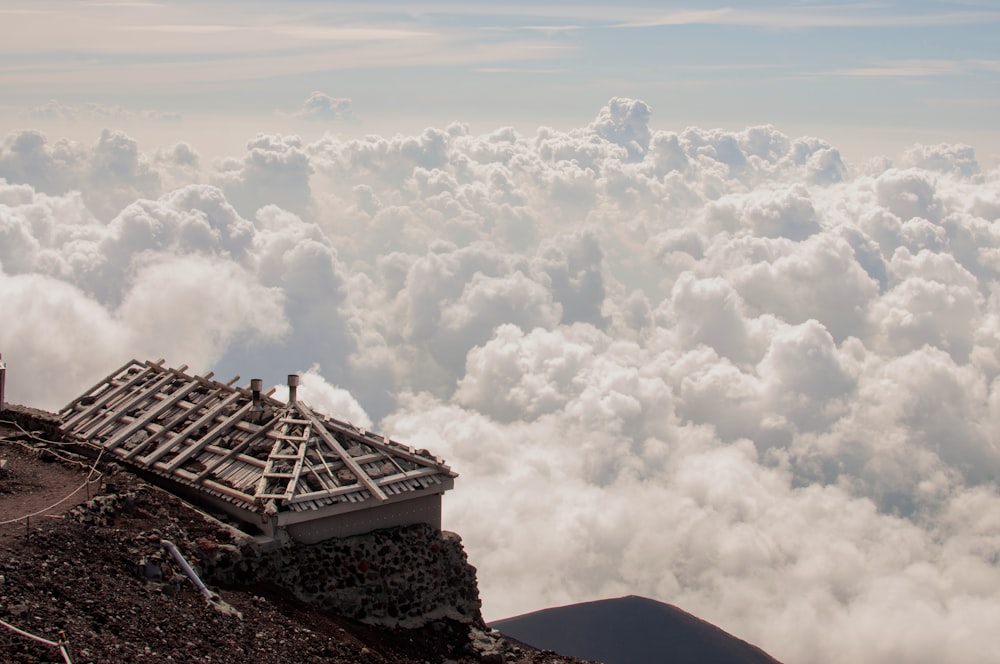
x=34, y=485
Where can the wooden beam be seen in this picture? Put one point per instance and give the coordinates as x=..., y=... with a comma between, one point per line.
x=163, y=449
x=192, y=408
x=110, y=394
x=130, y=402
x=102, y=383
x=206, y=440
x=188, y=409
x=339, y=491
x=238, y=449
x=320, y=428
x=382, y=444
x=150, y=415
x=296, y=470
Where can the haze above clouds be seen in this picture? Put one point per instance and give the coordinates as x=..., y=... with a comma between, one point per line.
x=873, y=78
x=729, y=369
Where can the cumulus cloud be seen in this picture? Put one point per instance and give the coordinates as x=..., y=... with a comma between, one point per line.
x=323, y=107
x=944, y=157
x=109, y=174
x=724, y=369
x=326, y=398
x=274, y=171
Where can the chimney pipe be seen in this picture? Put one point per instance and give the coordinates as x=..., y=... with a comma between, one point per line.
x=255, y=386
x=293, y=384
x=3, y=379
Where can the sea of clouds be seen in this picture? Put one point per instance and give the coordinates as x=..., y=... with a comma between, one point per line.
x=726, y=370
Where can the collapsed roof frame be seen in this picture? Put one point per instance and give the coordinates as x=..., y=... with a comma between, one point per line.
x=258, y=458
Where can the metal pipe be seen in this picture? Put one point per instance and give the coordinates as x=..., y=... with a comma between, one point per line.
x=256, y=384
x=293, y=384
x=175, y=552
x=3, y=379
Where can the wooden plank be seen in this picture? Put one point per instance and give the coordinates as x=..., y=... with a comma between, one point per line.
x=296, y=471
x=394, y=449
x=212, y=413
x=323, y=481
x=188, y=409
x=320, y=428
x=151, y=415
x=184, y=477
x=130, y=402
x=214, y=433
x=192, y=408
x=233, y=493
x=105, y=382
x=384, y=483
x=262, y=483
x=326, y=467
x=110, y=394
x=118, y=411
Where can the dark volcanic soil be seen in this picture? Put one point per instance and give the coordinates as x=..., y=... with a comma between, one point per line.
x=89, y=582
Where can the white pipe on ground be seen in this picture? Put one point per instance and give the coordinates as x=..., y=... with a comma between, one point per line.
x=175, y=552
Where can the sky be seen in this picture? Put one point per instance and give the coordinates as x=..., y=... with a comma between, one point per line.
x=874, y=75
x=699, y=300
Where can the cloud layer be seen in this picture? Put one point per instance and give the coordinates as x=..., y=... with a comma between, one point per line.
x=722, y=369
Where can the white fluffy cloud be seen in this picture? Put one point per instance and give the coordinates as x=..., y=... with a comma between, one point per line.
x=326, y=108
x=723, y=369
x=109, y=174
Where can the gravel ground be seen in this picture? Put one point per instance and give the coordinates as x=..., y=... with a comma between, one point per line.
x=93, y=583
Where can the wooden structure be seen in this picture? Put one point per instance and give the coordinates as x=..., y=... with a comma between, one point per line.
x=272, y=465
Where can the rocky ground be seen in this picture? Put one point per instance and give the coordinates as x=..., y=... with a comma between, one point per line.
x=67, y=573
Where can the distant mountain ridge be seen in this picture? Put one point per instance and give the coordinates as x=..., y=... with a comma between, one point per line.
x=630, y=630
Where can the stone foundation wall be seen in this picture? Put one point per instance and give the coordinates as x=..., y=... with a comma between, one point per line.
x=403, y=576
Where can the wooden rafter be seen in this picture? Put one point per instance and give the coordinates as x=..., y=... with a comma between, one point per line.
x=166, y=447
x=185, y=419
x=207, y=439
x=149, y=416
x=111, y=393
x=358, y=471
x=185, y=414
x=121, y=408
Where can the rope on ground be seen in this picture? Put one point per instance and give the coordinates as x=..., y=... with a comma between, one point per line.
x=34, y=436
x=61, y=644
x=75, y=491
x=42, y=511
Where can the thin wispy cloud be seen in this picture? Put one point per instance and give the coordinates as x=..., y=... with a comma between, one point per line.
x=919, y=68
x=516, y=70
x=807, y=18
x=181, y=29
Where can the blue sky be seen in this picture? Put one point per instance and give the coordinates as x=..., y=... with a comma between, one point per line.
x=858, y=72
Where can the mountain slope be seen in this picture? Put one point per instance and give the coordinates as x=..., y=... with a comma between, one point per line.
x=630, y=630
x=96, y=571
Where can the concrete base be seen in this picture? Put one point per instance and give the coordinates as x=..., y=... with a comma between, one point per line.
x=312, y=526
x=426, y=509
